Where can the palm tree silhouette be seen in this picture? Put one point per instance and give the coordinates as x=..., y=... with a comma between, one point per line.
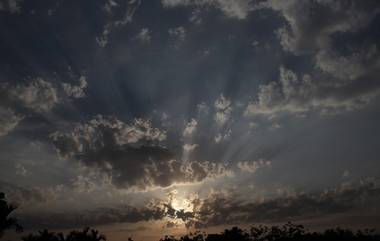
x=7, y=222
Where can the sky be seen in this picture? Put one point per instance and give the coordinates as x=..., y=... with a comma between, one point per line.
x=150, y=117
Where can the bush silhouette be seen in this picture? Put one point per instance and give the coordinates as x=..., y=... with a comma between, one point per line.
x=86, y=234
x=7, y=222
x=286, y=232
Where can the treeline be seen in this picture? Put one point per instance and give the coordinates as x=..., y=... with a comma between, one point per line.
x=286, y=232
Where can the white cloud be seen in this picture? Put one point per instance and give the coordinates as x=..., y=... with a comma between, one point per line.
x=253, y=166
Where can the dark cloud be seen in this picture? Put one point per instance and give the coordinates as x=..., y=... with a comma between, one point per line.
x=11, y=6
x=227, y=207
x=23, y=195
x=348, y=81
x=311, y=24
x=118, y=21
x=20, y=99
x=231, y=8
x=99, y=216
x=39, y=95
x=154, y=210
x=132, y=154
x=297, y=94
x=218, y=208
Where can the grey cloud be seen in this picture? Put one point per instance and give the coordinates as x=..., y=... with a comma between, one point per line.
x=76, y=91
x=348, y=81
x=178, y=35
x=223, y=208
x=288, y=94
x=231, y=8
x=132, y=154
x=92, y=217
x=349, y=68
x=38, y=95
x=296, y=94
x=27, y=195
x=190, y=128
x=145, y=35
x=311, y=23
x=189, y=147
x=151, y=211
x=252, y=166
x=340, y=81
x=223, y=109
x=113, y=24
x=221, y=137
x=220, y=208
x=34, y=96
x=8, y=120
x=11, y=6
x=109, y=5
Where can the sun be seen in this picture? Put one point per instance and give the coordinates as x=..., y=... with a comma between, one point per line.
x=180, y=202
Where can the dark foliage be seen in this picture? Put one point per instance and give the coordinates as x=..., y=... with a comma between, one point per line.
x=7, y=222
x=84, y=235
x=286, y=232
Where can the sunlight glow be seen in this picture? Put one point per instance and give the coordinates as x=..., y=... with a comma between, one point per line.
x=180, y=201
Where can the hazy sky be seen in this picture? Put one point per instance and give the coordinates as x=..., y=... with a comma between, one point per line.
x=148, y=117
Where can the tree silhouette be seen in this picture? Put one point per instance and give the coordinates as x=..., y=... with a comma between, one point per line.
x=232, y=234
x=86, y=234
x=286, y=232
x=7, y=222
x=44, y=235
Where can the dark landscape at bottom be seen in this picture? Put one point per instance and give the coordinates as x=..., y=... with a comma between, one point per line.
x=285, y=232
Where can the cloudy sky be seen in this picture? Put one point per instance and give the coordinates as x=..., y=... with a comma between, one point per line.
x=152, y=117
